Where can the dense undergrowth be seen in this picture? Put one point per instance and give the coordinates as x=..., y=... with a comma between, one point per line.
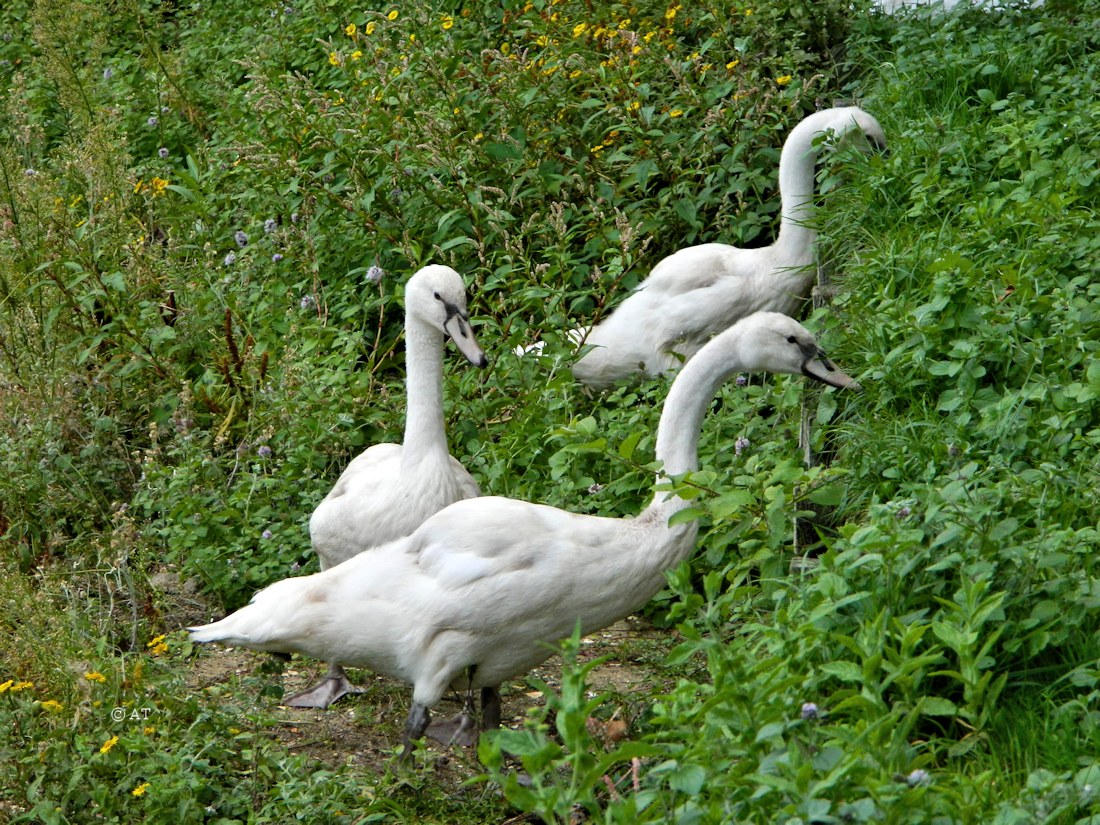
x=206, y=217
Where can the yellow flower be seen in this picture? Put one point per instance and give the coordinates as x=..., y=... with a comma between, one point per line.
x=95, y=676
x=138, y=186
x=355, y=55
x=448, y=22
x=110, y=743
x=636, y=50
x=542, y=40
x=671, y=13
x=624, y=23
x=505, y=48
x=148, y=730
x=783, y=79
x=369, y=28
x=4, y=687
x=578, y=29
x=50, y=704
x=633, y=106
x=733, y=64
x=748, y=12
x=140, y=789
x=392, y=14
x=573, y=75
x=349, y=30
x=676, y=113
x=18, y=686
x=412, y=38
x=157, y=646
x=334, y=58
x=479, y=136
x=457, y=110
x=596, y=149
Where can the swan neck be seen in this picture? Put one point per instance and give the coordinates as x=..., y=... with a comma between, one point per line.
x=424, y=433
x=684, y=409
x=797, y=166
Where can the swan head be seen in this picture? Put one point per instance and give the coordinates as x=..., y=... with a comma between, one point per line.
x=848, y=124
x=772, y=342
x=436, y=296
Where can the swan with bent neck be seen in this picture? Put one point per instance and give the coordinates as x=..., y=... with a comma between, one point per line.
x=481, y=589
x=701, y=290
x=389, y=489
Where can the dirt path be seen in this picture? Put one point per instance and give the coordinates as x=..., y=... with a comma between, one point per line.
x=364, y=731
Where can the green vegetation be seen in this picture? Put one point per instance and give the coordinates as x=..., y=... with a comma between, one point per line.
x=196, y=202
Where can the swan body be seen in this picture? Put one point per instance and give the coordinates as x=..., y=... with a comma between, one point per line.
x=479, y=590
x=389, y=489
x=701, y=290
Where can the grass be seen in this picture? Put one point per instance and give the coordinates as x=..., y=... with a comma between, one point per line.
x=191, y=349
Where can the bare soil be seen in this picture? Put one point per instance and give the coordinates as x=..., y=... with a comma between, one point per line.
x=364, y=731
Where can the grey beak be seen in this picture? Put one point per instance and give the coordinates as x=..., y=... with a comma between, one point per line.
x=822, y=369
x=460, y=331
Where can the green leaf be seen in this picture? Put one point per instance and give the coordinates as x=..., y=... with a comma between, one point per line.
x=688, y=779
x=936, y=706
x=845, y=671
x=626, y=447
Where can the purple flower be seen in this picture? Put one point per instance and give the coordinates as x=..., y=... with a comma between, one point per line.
x=809, y=712
x=266, y=534
x=30, y=173
x=108, y=73
x=375, y=274
x=276, y=257
x=163, y=152
x=241, y=238
x=270, y=225
x=307, y=302
x=740, y=444
x=294, y=217
x=595, y=488
x=152, y=121
x=294, y=568
x=741, y=381
x=230, y=258
x=263, y=451
x=903, y=512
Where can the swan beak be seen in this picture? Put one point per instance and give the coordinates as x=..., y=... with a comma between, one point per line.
x=822, y=369
x=459, y=330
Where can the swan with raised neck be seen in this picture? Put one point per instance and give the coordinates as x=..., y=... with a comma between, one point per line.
x=481, y=591
x=697, y=292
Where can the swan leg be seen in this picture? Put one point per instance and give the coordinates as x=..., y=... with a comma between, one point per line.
x=415, y=725
x=324, y=693
x=490, y=708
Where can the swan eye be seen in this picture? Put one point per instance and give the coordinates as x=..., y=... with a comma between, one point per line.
x=791, y=339
x=438, y=297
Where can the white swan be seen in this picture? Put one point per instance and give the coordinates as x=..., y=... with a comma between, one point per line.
x=699, y=291
x=476, y=594
x=389, y=489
